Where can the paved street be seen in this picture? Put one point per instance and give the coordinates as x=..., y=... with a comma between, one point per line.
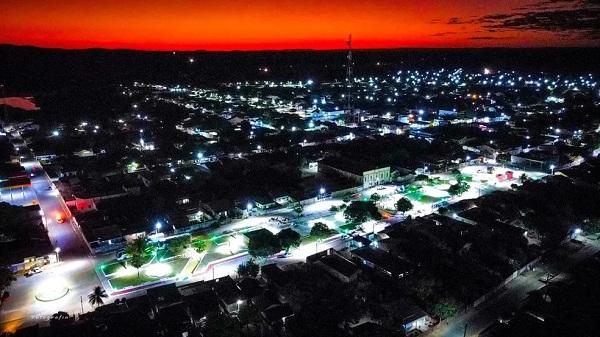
x=515, y=293
x=75, y=272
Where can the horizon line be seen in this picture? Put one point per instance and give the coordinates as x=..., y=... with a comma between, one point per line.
x=2, y=45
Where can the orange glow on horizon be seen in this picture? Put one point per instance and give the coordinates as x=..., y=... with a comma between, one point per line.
x=258, y=25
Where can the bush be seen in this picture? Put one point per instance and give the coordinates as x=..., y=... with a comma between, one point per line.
x=421, y=177
x=248, y=269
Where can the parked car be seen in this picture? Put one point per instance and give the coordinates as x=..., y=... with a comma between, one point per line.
x=33, y=271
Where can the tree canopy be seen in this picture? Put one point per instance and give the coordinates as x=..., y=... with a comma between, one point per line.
x=263, y=244
x=360, y=211
x=289, y=238
x=404, y=205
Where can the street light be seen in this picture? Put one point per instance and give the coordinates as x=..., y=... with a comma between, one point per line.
x=57, y=251
x=322, y=190
x=552, y=167
x=238, y=302
x=157, y=225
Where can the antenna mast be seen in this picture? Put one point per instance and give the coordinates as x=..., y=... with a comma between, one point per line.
x=350, y=115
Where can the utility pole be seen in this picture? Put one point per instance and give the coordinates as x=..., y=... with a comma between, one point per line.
x=465, y=332
x=81, y=298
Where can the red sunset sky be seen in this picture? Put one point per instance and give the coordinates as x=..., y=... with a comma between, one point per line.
x=264, y=24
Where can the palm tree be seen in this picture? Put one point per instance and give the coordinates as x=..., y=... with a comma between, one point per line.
x=96, y=298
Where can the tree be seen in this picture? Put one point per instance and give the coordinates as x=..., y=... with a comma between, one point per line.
x=320, y=230
x=298, y=208
x=375, y=197
x=288, y=238
x=6, y=278
x=445, y=308
x=249, y=268
x=404, y=205
x=458, y=188
x=263, y=244
x=96, y=298
x=360, y=211
x=523, y=178
x=199, y=245
x=178, y=245
x=138, y=251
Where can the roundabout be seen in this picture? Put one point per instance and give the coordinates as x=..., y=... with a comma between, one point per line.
x=52, y=290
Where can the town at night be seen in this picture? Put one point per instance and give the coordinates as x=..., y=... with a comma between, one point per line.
x=299, y=169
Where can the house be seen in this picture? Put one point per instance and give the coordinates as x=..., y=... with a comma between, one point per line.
x=382, y=261
x=251, y=289
x=410, y=317
x=220, y=208
x=364, y=174
x=229, y=294
x=263, y=202
x=276, y=314
x=538, y=160
x=338, y=266
x=163, y=296
x=272, y=274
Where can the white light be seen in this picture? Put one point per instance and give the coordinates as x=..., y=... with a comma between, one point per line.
x=322, y=190
x=309, y=82
x=577, y=231
x=200, y=155
x=57, y=250
x=158, y=270
x=55, y=133
x=191, y=60
x=249, y=206
x=158, y=225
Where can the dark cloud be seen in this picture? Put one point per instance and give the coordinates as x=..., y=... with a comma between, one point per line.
x=443, y=34
x=569, y=17
x=455, y=21
x=489, y=38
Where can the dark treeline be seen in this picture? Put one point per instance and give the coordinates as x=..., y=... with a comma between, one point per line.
x=28, y=70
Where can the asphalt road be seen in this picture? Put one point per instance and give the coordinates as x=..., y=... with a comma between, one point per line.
x=74, y=272
x=516, y=292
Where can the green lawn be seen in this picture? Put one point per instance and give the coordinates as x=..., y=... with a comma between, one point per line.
x=423, y=198
x=117, y=283
x=111, y=267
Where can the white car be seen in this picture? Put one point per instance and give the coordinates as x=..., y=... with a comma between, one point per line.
x=33, y=271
